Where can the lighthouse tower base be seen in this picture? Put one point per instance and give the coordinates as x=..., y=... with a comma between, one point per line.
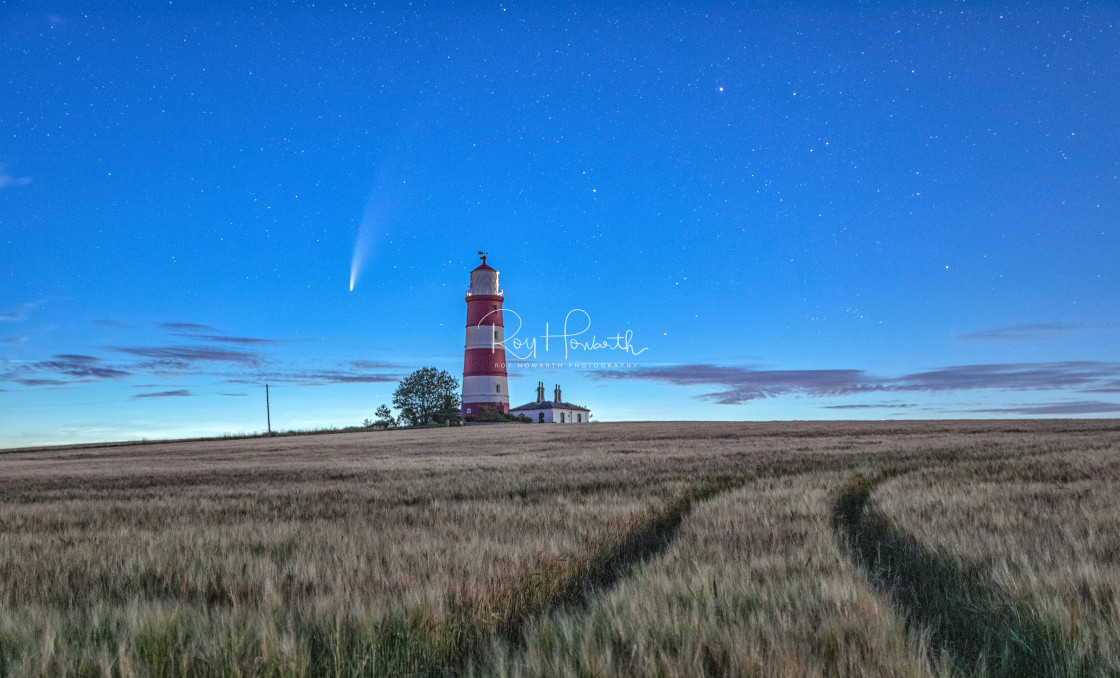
x=484, y=393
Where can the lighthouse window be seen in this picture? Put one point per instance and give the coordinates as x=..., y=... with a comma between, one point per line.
x=497, y=388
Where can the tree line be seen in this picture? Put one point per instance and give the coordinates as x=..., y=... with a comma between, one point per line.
x=426, y=397
x=430, y=397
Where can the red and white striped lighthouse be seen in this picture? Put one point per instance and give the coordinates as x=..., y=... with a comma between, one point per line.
x=484, y=360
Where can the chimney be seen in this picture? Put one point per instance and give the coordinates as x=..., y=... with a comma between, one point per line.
x=540, y=391
x=557, y=399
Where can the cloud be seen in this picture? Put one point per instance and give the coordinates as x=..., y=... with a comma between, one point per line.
x=374, y=365
x=183, y=357
x=339, y=377
x=111, y=323
x=19, y=314
x=82, y=366
x=744, y=384
x=1030, y=332
x=347, y=372
x=233, y=340
x=1011, y=376
x=336, y=378
x=78, y=367
x=18, y=339
x=869, y=406
x=235, y=395
x=7, y=180
x=1079, y=407
x=228, y=363
x=207, y=333
x=180, y=393
x=186, y=328
x=318, y=378
x=1112, y=386
x=41, y=382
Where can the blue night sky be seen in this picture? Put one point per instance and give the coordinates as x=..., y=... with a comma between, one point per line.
x=798, y=212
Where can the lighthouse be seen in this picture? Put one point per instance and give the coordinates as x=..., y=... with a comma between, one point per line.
x=484, y=359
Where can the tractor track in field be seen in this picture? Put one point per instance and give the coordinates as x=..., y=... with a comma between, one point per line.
x=418, y=644
x=580, y=578
x=982, y=628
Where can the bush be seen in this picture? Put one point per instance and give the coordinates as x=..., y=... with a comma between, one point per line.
x=492, y=415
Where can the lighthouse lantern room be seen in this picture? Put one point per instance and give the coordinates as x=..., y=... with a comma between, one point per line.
x=484, y=361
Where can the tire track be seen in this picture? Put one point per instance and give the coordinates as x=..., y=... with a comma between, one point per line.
x=981, y=626
x=421, y=646
x=569, y=583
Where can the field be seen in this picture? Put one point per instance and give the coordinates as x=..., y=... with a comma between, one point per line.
x=647, y=549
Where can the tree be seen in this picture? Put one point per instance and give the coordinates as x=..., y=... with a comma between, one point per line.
x=384, y=416
x=448, y=413
x=427, y=395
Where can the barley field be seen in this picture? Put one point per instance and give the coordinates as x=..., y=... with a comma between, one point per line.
x=966, y=548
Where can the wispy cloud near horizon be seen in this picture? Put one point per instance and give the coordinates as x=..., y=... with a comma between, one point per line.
x=9, y=181
x=19, y=314
x=182, y=357
x=1076, y=407
x=744, y=384
x=185, y=328
x=1033, y=332
x=178, y=393
x=200, y=332
x=81, y=366
x=871, y=406
x=41, y=382
x=77, y=368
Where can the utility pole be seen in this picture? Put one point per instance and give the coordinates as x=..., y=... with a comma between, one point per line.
x=267, y=409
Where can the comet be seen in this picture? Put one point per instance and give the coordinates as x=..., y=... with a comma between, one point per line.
x=363, y=244
x=388, y=193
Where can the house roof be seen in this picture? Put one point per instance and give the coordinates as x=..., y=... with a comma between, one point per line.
x=547, y=405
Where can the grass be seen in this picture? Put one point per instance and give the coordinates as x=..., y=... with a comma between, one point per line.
x=753, y=584
x=617, y=549
x=1038, y=537
x=978, y=625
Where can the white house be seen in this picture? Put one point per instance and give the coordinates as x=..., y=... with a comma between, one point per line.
x=554, y=411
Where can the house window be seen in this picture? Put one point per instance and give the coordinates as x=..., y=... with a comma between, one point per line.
x=561, y=417
x=540, y=418
x=468, y=410
x=579, y=418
